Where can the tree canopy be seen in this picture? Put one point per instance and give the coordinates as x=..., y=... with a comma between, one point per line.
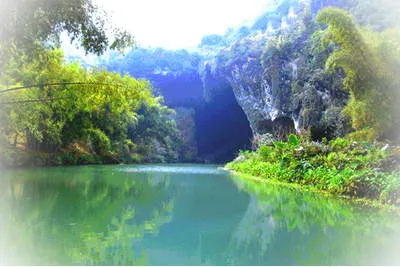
x=30, y=25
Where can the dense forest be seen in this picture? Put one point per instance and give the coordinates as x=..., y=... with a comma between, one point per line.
x=312, y=87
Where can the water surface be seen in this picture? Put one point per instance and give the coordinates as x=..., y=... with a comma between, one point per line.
x=181, y=215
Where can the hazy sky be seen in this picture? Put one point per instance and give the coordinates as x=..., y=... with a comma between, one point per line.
x=176, y=24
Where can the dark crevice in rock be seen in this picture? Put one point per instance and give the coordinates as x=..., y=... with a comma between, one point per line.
x=282, y=127
x=213, y=125
x=222, y=128
x=263, y=126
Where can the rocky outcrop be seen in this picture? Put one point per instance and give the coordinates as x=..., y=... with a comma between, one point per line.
x=278, y=77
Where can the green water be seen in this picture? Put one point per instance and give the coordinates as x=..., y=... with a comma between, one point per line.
x=181, y=215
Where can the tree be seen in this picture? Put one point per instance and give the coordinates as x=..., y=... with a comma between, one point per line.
x=30, y=24
x=93, y=113
x=156, y=134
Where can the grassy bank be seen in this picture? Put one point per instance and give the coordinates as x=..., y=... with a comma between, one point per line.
x=355, y=169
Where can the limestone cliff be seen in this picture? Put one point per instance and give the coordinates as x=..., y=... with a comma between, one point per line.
x=277, y=74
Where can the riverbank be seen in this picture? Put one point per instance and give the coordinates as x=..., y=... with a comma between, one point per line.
x=260, y=184
x=358, y=170
x=18, y=157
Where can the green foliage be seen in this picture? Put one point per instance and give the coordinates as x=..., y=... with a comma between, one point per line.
x=293, y=140
x=339, y=144
x=98, y=141
x=212, y=40
x=262, y=139
x=370, y=74
x=341, y=166
x=144, y=62
x=86, y=121
x=28, y=25
x=294, y=66
x=185, y=121
x=266, y=153
x=156, y=134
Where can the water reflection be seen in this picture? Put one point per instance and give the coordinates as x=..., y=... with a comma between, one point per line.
x=80, y=216
x=181, y=215
x=284, y=226
x=207, y=210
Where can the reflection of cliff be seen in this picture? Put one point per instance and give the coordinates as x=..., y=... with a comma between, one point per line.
x=252, y=237
x=255, y=229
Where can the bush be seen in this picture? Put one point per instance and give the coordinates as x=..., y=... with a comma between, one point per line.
x=339, y=144
x=78, y=154
x=368, y=134
x=341, y=166
x=98, y=142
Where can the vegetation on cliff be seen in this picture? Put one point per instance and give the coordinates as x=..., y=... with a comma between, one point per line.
x=370, y=62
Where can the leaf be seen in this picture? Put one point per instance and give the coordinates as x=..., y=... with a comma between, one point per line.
x=293, y=140
x=280, y=145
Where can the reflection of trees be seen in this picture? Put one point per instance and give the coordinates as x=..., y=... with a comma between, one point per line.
x=95, y=216
x=285, y=226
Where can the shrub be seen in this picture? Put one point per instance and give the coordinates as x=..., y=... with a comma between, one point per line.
x=293, y=140
x=341, y=166
x=98, y=142
x=339, y=144
x=367, y=134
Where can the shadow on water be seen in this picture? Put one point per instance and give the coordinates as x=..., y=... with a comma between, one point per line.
x=181, y=215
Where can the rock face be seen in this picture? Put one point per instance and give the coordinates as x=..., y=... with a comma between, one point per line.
x=278, y=77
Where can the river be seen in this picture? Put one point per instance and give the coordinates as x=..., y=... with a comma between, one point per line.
x=181, y=215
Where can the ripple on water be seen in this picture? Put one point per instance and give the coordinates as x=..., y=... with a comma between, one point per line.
x=175, y=169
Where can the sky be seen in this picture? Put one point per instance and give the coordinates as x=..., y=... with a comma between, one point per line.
x=177, y=24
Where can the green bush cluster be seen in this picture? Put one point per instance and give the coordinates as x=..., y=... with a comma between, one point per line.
x=340, y=166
